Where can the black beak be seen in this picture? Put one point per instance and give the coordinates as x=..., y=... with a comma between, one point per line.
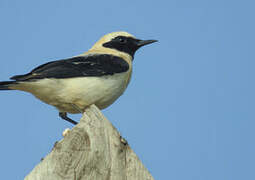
x=141, y=43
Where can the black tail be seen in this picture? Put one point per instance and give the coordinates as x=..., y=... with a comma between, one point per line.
x=4, y=85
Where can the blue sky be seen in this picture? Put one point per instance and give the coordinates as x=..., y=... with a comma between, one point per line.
x=188, y=112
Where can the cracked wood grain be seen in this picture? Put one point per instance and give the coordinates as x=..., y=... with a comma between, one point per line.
x=92, y=150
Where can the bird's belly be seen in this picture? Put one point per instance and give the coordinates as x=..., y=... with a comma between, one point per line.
x=75, y=94
x=101, y=91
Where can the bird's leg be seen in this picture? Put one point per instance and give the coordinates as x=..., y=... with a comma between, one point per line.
x=63, y=115
x=77, y=108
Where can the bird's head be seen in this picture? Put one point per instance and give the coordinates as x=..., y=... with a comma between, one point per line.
x=120, y=42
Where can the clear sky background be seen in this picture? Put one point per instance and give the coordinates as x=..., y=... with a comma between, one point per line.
x=188, y=112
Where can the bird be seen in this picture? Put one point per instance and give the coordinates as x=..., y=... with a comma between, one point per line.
x=98, y=76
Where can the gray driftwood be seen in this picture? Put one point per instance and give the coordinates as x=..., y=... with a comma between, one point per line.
x=92, y=150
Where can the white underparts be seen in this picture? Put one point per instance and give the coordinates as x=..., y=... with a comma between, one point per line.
x=71, y=94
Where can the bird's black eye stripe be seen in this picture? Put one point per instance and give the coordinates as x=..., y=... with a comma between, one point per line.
x=121, y=39
x=124, y=44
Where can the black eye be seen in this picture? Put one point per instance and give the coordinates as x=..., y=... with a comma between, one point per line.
x=122, y=40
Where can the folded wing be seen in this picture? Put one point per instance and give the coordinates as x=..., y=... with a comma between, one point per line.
x=80, y=66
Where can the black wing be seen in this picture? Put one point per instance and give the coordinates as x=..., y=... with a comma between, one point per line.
x=81, y=66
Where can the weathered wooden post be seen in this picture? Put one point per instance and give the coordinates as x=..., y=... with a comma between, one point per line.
x=92, y=150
